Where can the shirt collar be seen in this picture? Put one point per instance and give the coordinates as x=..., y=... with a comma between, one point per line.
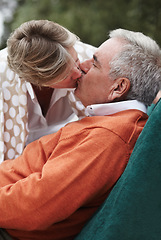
x=58, y=93
x=111, y=108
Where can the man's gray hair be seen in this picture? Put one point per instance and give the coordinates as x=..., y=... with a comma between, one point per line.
x=140, y=62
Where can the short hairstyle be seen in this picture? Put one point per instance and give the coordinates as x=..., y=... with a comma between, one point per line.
x=37, y=50
x=140, y=62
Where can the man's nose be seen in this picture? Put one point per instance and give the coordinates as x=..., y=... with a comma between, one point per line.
x=86, y=65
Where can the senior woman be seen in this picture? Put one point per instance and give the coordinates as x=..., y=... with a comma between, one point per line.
x=35, y=99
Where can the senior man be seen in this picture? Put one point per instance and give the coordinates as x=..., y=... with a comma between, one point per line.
x=60, y=180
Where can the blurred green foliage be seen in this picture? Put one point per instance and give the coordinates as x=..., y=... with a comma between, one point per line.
x=92, y=20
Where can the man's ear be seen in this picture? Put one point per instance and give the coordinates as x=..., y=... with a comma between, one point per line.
x=120, y=89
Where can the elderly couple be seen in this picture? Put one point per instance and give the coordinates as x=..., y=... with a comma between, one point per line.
x=54, y=187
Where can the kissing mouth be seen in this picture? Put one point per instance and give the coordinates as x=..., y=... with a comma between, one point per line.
x=78, y=81
x=80, y=78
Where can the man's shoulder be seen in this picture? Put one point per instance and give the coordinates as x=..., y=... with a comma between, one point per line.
x=123, y=124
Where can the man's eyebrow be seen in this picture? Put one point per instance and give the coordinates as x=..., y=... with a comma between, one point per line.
x=96, y=59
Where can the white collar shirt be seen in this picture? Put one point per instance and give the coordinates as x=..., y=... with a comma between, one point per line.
x=58, y=115
x=111, y=108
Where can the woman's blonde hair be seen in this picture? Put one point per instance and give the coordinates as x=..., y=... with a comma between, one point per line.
x=37, y=51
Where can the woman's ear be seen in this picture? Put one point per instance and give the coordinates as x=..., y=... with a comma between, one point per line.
x=120, y=89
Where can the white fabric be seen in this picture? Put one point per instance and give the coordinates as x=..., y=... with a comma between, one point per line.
x=111, y=108
x=58, y=115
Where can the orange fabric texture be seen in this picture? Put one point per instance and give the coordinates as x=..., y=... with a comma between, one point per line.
x=60, y=180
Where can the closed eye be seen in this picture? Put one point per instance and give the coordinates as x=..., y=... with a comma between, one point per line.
x=94, y=64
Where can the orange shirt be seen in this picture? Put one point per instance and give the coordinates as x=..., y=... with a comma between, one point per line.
x=51, y=191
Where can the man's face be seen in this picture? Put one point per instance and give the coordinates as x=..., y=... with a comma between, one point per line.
x=95, y=86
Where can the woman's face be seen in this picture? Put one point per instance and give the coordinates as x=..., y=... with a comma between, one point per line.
x=69, y=78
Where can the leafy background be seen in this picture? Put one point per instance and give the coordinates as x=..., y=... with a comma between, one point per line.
x=91, y=20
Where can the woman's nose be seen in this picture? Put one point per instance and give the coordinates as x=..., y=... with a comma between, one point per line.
x=77, y=73
x=86, y=65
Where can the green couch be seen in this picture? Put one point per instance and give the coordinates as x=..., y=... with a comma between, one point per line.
x=133, y=209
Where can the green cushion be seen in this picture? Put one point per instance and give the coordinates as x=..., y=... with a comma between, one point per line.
x=133, y=209
x=150, y=108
